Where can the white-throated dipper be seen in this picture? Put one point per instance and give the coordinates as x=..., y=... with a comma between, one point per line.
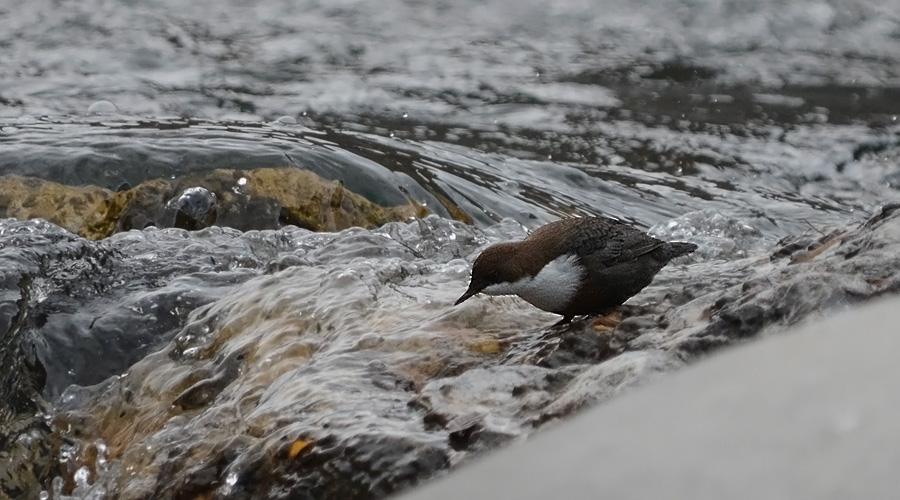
x=572, y=267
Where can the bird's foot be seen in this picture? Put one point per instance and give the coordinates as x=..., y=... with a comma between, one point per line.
x=607, y=322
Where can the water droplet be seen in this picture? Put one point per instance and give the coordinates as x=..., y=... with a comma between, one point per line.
x=102, y=108
x=286, y=120
x=30, y=119
x=405, y=114
x=391, y=134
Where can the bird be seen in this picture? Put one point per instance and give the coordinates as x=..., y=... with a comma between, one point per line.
x=574, y=266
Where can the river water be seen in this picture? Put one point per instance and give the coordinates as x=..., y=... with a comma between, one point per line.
x=730, y=124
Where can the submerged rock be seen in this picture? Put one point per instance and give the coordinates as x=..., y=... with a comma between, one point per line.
x=71, y=207
x=267, y=198
x=809, y=416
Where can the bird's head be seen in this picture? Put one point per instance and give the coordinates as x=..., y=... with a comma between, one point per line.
x=497, y=265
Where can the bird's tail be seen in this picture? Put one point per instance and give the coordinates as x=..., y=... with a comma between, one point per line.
x=679, y=248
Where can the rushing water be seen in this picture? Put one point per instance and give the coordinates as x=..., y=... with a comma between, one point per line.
x=730, y=124
x=646, y=111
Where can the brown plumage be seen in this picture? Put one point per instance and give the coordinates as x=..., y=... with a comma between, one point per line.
x=595, y=264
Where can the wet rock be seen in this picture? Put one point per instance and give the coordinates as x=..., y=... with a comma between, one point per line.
x=501, y=396
x=577, y=346
x=73, y=208
x=76, y=311
x=266, y=357
x=604, y=380
x=333, y=364
x=817, y=403
x=245, y=200
x=26, y=451
x=805, y=277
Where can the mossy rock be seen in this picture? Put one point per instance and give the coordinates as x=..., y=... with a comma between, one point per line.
x=315, y=203
x=266, y=198
x=71, y=207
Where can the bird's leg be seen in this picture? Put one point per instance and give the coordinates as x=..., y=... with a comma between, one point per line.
x=607, y=321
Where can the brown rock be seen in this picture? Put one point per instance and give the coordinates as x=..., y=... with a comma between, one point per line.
x=71, y=207
x=267, y=198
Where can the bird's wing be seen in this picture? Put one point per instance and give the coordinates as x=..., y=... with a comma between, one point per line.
x=603, y=243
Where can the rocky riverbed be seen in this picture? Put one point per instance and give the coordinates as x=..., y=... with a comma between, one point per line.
x=333, y=365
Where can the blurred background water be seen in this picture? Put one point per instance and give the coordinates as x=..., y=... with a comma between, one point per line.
x=780, y=114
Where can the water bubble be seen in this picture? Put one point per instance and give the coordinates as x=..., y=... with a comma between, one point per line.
x=286, y=120
x=102, y=108
x=405, y=114
x=240, y=186
x=391, y=134
x=30, y=119
x=82, y=475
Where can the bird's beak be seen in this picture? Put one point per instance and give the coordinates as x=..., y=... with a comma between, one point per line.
x=470, y=292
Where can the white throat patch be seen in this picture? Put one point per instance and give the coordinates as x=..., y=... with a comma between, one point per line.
x=551, y=289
